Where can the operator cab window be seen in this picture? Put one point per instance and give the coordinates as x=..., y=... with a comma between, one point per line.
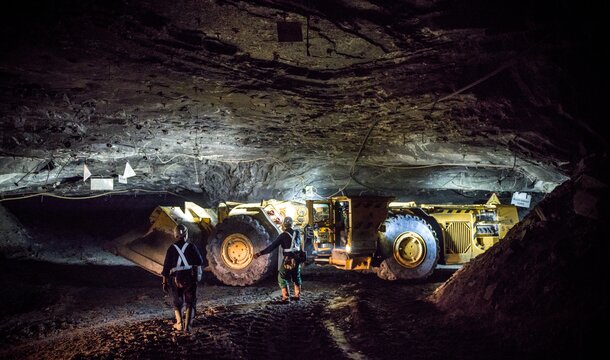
x=321, y=214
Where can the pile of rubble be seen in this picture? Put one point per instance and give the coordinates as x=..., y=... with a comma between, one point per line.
x=544, y=288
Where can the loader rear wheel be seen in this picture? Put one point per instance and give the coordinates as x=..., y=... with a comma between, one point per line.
x=411, y=248
x=230, y=251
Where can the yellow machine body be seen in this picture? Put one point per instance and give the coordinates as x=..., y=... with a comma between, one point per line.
x=467, y=230
x=345, y=232
x=146, y=246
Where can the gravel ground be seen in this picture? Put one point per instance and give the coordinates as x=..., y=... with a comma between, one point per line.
x=53, y=311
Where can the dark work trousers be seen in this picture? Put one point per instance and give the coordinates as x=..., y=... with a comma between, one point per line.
x=284, y=277
x=184, y=296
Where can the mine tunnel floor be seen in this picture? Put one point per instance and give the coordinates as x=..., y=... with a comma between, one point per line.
x=53, y=311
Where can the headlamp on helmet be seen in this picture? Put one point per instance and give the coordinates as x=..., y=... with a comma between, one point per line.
x=287, y=221
x=182, y=231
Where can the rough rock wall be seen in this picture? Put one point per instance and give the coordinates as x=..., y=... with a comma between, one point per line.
x=13, y=237
x=170, y=86
x=70, y=231
x=545, y=287
x=244, y=181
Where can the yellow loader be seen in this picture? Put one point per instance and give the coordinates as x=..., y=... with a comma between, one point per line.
x=397, y=240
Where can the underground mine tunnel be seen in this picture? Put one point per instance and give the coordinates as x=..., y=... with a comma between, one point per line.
x=444, y=163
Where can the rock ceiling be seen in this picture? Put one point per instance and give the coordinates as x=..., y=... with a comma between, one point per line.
x=382, y=97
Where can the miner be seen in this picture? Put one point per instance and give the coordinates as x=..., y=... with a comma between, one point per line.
x=290, y=269
x=181, y=272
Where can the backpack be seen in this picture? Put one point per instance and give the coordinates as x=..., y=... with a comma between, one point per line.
x=184, y=278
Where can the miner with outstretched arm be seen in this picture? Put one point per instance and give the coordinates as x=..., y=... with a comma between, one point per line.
x=290, y=270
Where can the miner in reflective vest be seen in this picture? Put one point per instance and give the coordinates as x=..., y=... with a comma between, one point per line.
x=289, y=271
x=181, y=272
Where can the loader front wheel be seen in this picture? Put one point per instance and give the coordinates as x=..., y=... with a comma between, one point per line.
x=411, y=248
x=230, y=251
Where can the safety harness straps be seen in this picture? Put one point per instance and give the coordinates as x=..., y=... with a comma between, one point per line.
x=293, y=245
x=181, y=264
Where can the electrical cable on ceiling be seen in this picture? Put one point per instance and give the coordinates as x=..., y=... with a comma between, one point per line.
x=502, y=67
x=415, y=167
x=59, y=172
x=29, y=172
x=87, y=197
x=231, y=161
x=228, y=161
x=339, y=191
x=307, y=3
x=374, y=124
x=196, y=172
x=194, y=157
x=48, y=167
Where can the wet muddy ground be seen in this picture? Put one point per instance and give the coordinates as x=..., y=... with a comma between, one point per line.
x=52, y=311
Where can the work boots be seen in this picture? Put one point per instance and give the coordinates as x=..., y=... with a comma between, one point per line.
x=178, y=324
x=188, y=318
x=297, y=292
x=285, y=294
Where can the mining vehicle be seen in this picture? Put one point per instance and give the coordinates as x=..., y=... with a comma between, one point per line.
x=227, y=237
x=396, y=240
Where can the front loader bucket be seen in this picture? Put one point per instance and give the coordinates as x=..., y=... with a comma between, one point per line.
x=146, y=246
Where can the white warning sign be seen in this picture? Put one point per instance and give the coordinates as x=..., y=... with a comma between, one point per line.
x=86, y=172
x=128, y=171
x=102, y=184
x=521, y=199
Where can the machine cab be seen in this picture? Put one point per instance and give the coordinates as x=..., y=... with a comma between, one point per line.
x=343, y=230
x=330, y=225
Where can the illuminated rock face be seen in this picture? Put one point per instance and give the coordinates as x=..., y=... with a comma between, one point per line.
x=201, y=96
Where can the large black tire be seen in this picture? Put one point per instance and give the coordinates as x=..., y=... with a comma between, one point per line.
x=308, y=244
x=411, y=248
x=230, y=251
x=437, y=230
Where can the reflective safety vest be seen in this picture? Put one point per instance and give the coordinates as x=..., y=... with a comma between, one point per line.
x=181, y=264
